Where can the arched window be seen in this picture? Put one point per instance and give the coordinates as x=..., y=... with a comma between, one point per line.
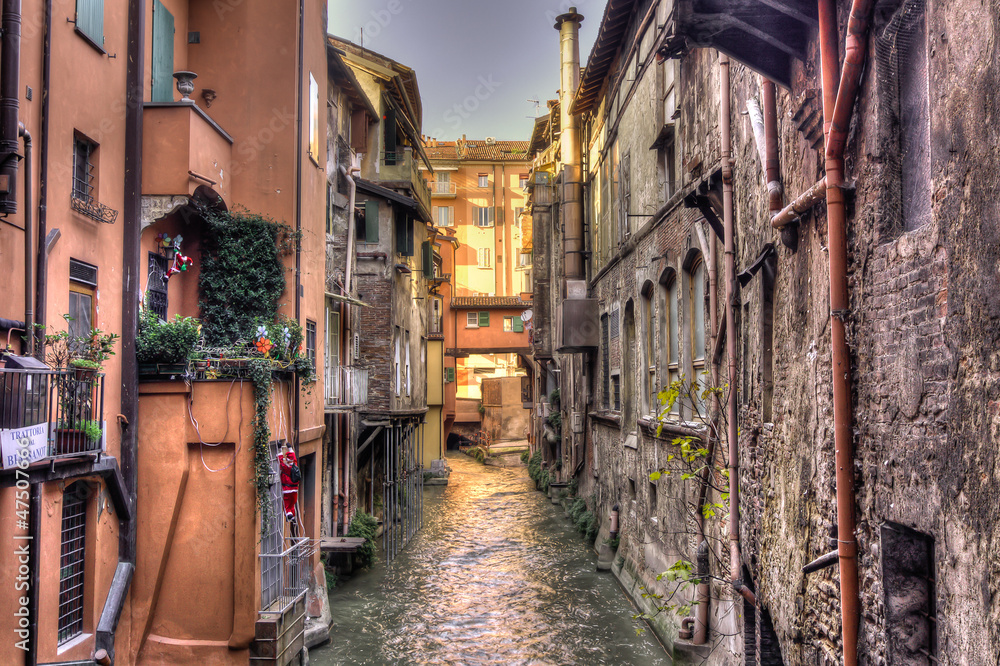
x=71, y=561
x=669, y=343
x=648, y=372
x=628, y=366
x=696, y=294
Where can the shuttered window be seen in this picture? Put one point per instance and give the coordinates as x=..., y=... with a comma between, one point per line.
x=90, y=20
x=162, y=66
x=427, y=257
x=518, y=325
x=371, y=221
x=484, y=319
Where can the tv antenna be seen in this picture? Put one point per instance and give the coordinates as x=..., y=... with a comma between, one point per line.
x=537, y=104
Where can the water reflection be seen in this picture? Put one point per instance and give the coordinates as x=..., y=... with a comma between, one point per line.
x=497, y=575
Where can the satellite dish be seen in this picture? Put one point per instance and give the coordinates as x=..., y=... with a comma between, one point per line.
x=526, y=316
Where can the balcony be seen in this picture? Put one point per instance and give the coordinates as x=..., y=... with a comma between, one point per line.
x=346, y=386
x=443, y=189
x=50, y=414
x=188, y=148
x=399, y=169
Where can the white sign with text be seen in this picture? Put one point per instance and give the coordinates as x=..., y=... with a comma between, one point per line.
x=31, y=441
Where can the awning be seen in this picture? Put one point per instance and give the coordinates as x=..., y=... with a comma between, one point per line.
x=384, y=192
x=346, y=299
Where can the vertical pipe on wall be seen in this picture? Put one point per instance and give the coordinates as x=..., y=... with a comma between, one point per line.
x=29, y=246
x=10, y=68
x=42, y=262
x=568, y=25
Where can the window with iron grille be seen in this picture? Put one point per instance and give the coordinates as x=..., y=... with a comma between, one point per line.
x=156, y=285
x=311, y=341
x=84, y=169
x=71, y=561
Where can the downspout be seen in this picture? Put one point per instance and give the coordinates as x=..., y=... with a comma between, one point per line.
x=344, y=314
x=41, y=266
x=836, y=140
x=569, y=26
x=772, y=164
x=298, y=202
x=10, y=68
x=107, y=626
x=29, y=249
x=35, y=534
x=730, y=277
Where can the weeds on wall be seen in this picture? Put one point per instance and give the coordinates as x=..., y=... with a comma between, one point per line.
x=365, y=526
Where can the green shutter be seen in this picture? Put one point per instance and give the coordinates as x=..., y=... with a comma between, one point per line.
x=409, y=236
x=449, y=374
x=399, y=226
x=428, y=259
x=371, y=221
x=389, y=127
x=90, y=19
x=163, y=54
x=484, y=319
x=518, y=325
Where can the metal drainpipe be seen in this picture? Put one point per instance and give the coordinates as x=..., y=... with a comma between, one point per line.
x=838, y=125
x=298, y=210
x=35, y=534
x=772, y=164
x=568, y=25
x=42, y=262
x=345, y=315
x=29, y=242
x=10, y=65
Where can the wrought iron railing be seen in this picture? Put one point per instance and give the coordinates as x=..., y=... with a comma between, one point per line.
x=443, y=187
x=285, y=574
x=62, y=408
x=346, y=386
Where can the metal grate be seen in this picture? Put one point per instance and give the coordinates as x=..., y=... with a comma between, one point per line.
x=615, y=324
x=71, y=561
x=156, y=285
x=83, y=169
x=270, y=543
x=82, y=272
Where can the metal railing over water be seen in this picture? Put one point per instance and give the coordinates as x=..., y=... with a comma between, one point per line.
x=346, y=386
x=59, y=412
x=285, y=574
x=403, y=486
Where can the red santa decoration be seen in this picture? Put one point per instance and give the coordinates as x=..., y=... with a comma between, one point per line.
x=288, y=464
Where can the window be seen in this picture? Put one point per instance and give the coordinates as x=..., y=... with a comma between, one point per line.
x=483, y=216
x=697, y=332
x=669, y=356
x=654, y=505
x=406, y=343
x=311, y=341
x=484, y=180
x=524, y=258
x=624, y=198
x=404, y=235
x=436, y=308
x=368, y=229
x=156, y=285
x=628, y=366
x=649, y=351
x=84, y=169
x=523, y=181
x=605, y=363
x=389, y=136
x=443, y=183
x=90, y=20
x=449, y=374
x=518, y=211
x=162, y=62
x=332, y=339
x=444, y=216
x=616, y=392
x=313, y=119
x=396, y=343
x=528, y=283
x=472, y=320
x=508, y=324
x=908, y=574
x=484, y=257
x=82, y=298
x=71, y=560
x=484, y=319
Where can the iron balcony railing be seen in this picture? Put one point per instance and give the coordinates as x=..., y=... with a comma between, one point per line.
x=442, y=187
x=285, y=574
x=53, y=413
x=346, y=386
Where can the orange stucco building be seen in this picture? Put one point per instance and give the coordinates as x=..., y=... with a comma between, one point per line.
x=146, y=547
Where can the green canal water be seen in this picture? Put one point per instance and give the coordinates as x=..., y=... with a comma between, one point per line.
x=497, y=575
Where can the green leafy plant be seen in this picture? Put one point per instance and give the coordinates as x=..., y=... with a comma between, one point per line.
x=525, y=456
x=84, y=364
x=365, y=526
x=170, y=341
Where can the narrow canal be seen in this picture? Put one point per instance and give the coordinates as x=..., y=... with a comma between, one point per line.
x=497, y=576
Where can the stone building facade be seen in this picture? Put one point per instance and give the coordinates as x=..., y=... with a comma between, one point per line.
x=920, y=327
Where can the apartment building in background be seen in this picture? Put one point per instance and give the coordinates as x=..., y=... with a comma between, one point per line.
x=478, y=194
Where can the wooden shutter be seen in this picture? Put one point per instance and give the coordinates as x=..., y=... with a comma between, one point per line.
x=427, y=257
x=90, y=19
x=518, y=325
x=449, y=374
x=359, y=131
x=162, y=65
x=371, y=221
x=409, y=236
x=389, y=131
x=484, y=319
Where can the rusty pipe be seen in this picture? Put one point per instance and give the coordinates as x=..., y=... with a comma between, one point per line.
x=855, y=50
x=725, y=121
x=568, y=25
x=800, y=206
x=10, y=66
x=772, y=165
x=829, y=60
x=847, y=546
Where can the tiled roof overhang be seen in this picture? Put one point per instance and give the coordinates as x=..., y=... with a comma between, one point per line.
x=614, y=25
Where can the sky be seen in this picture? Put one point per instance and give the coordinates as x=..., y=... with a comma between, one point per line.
x=477, y=62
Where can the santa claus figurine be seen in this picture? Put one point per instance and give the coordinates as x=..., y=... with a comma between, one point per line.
x=290, y=477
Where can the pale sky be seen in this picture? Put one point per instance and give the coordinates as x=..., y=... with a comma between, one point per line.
x=477, y=62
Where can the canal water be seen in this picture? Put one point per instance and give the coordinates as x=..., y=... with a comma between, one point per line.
x=497, y=575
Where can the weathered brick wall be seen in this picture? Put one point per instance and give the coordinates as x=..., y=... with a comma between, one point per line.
x=375, y=327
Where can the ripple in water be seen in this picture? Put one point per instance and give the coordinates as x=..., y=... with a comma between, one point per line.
x=496, y=576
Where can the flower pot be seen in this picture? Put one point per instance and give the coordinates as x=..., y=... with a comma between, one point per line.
x=69, y=441
x=171, y=368
x=84, y=374
x=147, y=369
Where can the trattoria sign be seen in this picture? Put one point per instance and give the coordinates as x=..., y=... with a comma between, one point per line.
x=31, y=442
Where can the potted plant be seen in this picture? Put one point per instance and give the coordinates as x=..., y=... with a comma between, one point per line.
x=77, y=437
x=84, y=369
x=165, y=347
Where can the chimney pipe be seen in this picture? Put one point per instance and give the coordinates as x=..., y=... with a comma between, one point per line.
x=568, y=25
